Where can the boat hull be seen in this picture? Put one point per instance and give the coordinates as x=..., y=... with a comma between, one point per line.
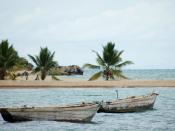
x=132, y=104
x=72, y=114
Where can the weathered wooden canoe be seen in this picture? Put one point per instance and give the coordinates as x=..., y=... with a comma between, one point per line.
x=130, y=104
x=72, y=113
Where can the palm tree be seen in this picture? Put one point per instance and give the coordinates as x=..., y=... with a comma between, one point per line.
x=111, y=63
x=22, y=64
x=44, y=61
x=8, y=58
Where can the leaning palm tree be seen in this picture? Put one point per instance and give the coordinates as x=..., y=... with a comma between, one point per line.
x=110, y=62
x=8, y=58
x=44, y=62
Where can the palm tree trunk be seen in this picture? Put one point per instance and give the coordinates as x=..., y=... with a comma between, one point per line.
x=2, y=74
x=107, y=77
x=43, y=75
x=107, y=73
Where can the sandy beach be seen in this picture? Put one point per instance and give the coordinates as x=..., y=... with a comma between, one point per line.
x=78, y=83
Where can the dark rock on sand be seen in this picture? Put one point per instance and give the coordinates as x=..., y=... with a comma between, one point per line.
x=67, y=70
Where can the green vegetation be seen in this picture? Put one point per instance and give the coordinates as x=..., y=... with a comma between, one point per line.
x=55, y=78
x=8, y=58
x=10, y=61
x=110, y=62
x=22, y=64
x=12, y=75
x=54, y=72
x=44, y=62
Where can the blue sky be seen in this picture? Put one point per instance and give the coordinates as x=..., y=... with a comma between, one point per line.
x=144, y=29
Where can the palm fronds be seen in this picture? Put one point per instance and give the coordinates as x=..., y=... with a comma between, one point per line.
x=99, y=59
x=111, y=63
x=91, y=66
x=96, y=76
x=124, y=64
x=8, y=58
x=118, y=74
x=55, y=78
x=44, y=61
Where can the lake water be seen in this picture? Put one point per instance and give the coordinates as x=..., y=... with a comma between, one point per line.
x=148, y=74
x=161, y=118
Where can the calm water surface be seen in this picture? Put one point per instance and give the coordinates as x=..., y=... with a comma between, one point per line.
x=136, y=74
x=162, y=118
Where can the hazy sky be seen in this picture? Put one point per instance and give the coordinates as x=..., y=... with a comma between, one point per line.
x=144, y=29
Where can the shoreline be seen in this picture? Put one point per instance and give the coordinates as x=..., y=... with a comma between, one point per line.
x=71, y=83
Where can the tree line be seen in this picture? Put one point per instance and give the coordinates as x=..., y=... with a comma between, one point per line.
x=110, y=62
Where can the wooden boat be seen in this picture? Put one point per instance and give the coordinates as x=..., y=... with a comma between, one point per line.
x=73, y=113
x=130, y=104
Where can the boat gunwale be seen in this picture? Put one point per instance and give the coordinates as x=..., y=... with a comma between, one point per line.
x=52, y=109
x=131, y=100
